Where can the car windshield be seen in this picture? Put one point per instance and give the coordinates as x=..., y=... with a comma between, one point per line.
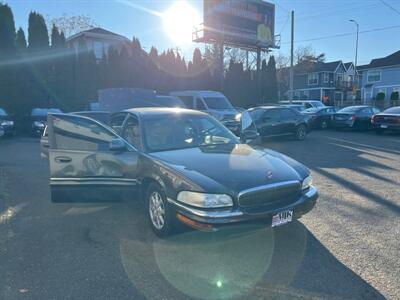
x=44, y=111
x=393, y=110
x=349, y=109
x=170, y=132
x=317, y=104
x=312, y=110
x=2, y=112
x=218, y=103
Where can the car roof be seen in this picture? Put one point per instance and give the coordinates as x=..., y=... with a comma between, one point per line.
x=90, y=112
x=154, y=111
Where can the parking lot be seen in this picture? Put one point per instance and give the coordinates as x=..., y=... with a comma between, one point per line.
x=346, y=248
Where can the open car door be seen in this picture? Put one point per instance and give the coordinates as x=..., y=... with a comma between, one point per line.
x=88, y=161
x=248, y=129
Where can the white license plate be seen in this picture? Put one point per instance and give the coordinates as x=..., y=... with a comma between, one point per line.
x=384, y=126
x=282, y=218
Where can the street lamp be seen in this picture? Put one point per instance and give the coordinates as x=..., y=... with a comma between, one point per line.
x=355, y=62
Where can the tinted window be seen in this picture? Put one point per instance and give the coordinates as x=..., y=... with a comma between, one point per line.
x=330, y=110
x=131, y=132
x=272, y=114
x=76, y=133
x=2, y=112
x=117, y=121
x=188, y=100
x=317, y=104
x=256, y=114
x=366, y=111
x=287, y=114
x=199, y=104
x=393, y=110
x=218, y=103
x=349, y=109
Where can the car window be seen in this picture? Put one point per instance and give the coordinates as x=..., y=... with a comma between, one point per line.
x=330, y=111
x=287, y=114
x=272, y=115
x=375, y=110
x=218, y=103
x=117, y=121
x=164, y=133
x=256, y=114
x=366, y=111
x=79, y=133
x=131, y=132
x=199, y=104
x=308, y=105
x=188, y=100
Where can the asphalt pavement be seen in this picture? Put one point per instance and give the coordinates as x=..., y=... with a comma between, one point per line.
x=346, y=248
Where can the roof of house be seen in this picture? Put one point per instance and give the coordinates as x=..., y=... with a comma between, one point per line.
x=390, y=60
x=97, y=31
x=317, y=67
x=348, y=65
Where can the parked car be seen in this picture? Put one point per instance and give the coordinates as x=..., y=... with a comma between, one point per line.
x=321, y=117
x=213, y=103
x=357, y=117
x=36, y=121
x=273, y=121
x=305, y=103
x=389, y=119
x=298, y=107
x=7, y=123
x=185, y=164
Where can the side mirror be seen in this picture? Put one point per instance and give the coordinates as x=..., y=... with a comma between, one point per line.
x=117, y=145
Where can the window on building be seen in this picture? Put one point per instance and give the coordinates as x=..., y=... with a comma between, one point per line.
x=312, y=78
x=326, y=77
x=374, y=76
x=98, y=50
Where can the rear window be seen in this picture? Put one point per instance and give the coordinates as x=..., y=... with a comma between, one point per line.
x=393, y=110
x=349, y=109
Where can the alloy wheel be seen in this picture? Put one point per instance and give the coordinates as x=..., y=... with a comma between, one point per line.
x=157, y=210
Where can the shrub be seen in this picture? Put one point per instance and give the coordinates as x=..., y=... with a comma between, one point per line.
x=394, y=96
x=380, y=96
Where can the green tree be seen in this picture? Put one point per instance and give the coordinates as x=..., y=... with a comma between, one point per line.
x=38, y=34
x=21, y=41
x=271, y=81
x=7, y=31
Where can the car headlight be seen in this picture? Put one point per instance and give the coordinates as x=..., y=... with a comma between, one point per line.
x=307, y=182
x=205, y=200
x=38, y=124
x=238, y=117
x=7, y=123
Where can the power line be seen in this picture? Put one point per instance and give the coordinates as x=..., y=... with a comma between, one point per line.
x=343, y=34
x=391, y=7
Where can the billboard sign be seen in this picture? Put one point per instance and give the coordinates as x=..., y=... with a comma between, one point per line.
x=248, y=23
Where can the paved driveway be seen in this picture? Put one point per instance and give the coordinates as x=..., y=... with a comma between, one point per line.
x=346, y=248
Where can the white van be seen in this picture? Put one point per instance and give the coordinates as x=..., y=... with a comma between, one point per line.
x=214, y=103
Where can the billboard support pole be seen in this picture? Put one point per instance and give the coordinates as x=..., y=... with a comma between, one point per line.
x=259, y=73
x=221, y=63
x=291, y=59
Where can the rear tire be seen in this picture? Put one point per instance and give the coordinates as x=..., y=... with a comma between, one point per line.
x=301, y=132
x=159, y=212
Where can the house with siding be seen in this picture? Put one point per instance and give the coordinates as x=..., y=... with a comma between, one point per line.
x=381, y=75
x=97, y=40
x=328, y=82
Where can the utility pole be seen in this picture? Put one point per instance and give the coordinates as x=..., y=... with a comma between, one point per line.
x=355, y=61
x=291, y=59
x=259, y=74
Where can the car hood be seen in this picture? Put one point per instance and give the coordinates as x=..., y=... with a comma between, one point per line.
x=232, y=168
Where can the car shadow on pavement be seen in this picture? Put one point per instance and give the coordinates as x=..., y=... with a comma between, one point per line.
x=240, y=261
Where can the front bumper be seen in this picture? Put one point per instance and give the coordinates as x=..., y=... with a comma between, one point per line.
x=221, y=217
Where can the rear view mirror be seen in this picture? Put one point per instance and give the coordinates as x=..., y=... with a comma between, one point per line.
x=117, y=145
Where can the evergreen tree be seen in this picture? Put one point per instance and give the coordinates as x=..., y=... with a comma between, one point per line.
x=21, y=41
x=264, y=81
x=271, y=81
x=7, y=31
x=38, y=34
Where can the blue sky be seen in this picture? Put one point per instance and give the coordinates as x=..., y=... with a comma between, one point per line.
x=314, y=19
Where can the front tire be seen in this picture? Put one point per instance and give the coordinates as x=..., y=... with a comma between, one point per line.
x=301, y=132
x=159, y=212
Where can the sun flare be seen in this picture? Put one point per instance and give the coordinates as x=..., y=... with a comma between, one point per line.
x=179, y=21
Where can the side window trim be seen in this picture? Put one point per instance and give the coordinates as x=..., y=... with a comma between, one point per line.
x=128, y=115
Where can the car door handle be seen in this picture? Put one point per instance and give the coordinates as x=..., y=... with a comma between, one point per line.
x=63, y=159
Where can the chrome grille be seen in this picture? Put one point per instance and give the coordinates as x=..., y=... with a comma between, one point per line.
x=271, y=196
